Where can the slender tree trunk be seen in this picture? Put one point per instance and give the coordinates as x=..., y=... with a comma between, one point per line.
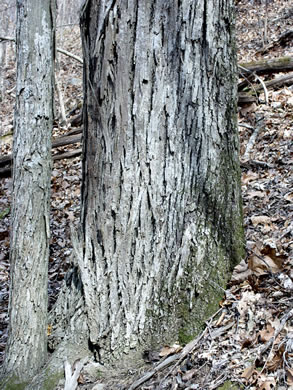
x=27, y=344
x=161, y=204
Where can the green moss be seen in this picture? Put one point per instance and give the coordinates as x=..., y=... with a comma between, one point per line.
x=52, y=380
x=184, y=337
x=4, y=212
x=13, y=383
x=228, y=385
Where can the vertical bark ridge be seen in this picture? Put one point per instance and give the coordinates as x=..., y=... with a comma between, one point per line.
x=27, y=344
x=160, y=145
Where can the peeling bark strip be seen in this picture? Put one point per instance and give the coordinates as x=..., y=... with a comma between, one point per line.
x=161, y=203
x=27, y=345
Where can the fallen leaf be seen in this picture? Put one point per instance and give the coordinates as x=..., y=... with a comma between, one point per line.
x=289, y=373
x=189, y=374
x=268, y=384
x=170, y=350
x=272, y=253
x=260, y=263
x=261, y=219
x=255, y=194
x=247, y=373
x=249, y=176
x=49, y=330
x=246, y=343
x=240, y=273
x=267, y=333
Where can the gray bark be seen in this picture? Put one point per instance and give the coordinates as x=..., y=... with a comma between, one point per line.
x=27, y=344
x=161, y=224
x=161, y=205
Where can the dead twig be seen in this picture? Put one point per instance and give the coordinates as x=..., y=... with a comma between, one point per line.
x=271, y=342
x=72, y=374
x=260, y=81
x=253, y=137
x=65, y=52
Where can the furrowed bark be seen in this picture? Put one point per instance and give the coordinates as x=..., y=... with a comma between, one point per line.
x=161, y=224
x=27, y=344
x=161, y=205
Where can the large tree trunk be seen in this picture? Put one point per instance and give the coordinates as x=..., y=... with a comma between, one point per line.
x=27, y=344
x=161, y=206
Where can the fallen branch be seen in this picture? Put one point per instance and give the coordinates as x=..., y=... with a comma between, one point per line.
x=252, y=139
x=67, y=53
x=169, y=360
x=6, y=39
x=243, y=98
x=275, y=65
x=261, y=82
x=6, y=172
x=279, y=82
x=177, y=358
x=271, y=342
x=282, y=40
x=62, y=51
x=61, y=141
x=72, y=374
x=66, y=140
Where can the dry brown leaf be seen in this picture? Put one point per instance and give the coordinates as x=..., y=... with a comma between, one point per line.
x=248, y=372
x=272, y=253
x=276, y=362
x=249, y=108
x=260, y=219
x=289, y=373
x=261, y=265
x=255, y=194
x=49, y=330
x=289, y=196
x=189, y=374
x=170, y=350
x=246, y=342
x=240, y=273
x=266, y=333
x=249, y=176
x=268, y=384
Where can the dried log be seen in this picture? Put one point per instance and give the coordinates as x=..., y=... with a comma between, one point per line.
x=61, y=141
x=66, y=140
x=279, y=82
x=245, y=99
x=62, y=156
x=284, y=39
x=6, y=172
x=275, y=65
x=76, y=120
x=65, y=52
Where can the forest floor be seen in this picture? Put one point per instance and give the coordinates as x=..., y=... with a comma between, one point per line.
x=249, y=342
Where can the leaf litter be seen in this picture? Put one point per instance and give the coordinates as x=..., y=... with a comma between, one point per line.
x=249, y=342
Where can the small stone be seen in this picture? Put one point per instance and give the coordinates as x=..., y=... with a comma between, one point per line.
x=99, y=386
x=276, y=104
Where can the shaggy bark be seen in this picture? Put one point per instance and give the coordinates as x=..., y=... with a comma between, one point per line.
x=27, y=344
x=161, y=207
x=161, y=224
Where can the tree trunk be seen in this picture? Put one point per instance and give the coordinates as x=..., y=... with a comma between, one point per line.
x=161, y=206
x=27, y=344
x=161, y=225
